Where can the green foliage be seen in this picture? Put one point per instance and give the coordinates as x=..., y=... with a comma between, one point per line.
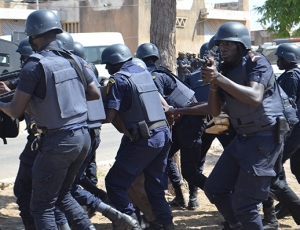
x=281, y=16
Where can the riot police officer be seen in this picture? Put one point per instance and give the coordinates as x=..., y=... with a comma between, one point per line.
x=288, y=57
x=89, y=180
x=187, y=131
x=23, y=182
x=93, y=198
x=50, y=84
x=183, y=65
x=254, y=106
x=133, y=106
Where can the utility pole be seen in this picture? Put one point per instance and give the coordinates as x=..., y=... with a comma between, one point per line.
x=37, y=5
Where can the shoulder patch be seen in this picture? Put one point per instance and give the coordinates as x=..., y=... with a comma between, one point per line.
x=86, y=65
x=109, y=85
x=153, y=77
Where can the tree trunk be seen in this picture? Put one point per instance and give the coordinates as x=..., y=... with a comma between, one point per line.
x=163, y=31
x=163, y=35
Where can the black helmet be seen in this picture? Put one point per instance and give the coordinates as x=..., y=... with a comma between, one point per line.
x=139, y=62
x=42, y=21
x=65, y=41
x=79, y=50
x=235, y=32
x=211, y=43
x=290, y=52
x=147, y=50
x=24, y=48
x=204, y=49
x=115, y=54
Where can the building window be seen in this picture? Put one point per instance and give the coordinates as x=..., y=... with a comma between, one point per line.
x=71, y=27
x=180, y=22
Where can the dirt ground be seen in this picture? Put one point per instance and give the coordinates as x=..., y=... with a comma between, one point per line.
x=206, y=217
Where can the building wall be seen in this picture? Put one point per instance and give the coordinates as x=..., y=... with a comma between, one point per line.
x=128, y=19
x=191, y=36
x=260, y=37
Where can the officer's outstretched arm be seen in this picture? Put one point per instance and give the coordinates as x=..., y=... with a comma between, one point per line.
x=17, y=106
x=92, y=92
x=199, y=109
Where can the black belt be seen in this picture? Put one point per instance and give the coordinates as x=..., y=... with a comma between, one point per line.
x=157, y=124
x=261, y=133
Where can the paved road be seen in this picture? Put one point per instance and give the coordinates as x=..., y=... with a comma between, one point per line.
x=9, y=154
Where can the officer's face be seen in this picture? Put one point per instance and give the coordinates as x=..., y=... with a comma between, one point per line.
x=111, y=69
x=33, y=43
x=282, y=63
x=228, y=50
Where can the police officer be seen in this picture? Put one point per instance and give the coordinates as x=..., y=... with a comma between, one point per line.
x=183, y=65
x=186, y=133
x=51, y=85
x=288, y=57
x=132, y=94
x=93, y=200
x=254, y=104
x=89, y=180
x=23, y=182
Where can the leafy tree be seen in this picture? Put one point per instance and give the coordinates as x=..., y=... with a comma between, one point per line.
x=282, y=16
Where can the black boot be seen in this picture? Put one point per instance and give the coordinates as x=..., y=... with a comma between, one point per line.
x=92, y=188
x=227, y=226
x=169, y=227
x=270, y=221
x=179, y=200
x=154, y=225
x=121, y=221
x=193, y=202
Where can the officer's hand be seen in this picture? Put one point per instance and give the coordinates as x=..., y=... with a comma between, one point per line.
x=4, y=88
x=210, y=73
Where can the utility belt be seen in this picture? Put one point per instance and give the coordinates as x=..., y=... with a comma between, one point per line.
x=144, y=128
x=94, y=132
x=260, y=133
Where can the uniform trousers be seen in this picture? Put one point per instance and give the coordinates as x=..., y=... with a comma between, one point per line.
x=148, y=156
x=60, y=156
x=246, y=166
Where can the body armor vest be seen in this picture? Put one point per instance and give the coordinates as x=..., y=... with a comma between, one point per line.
x=96, y=112
x=181, y=95
x=146, y=104
x=65, y=101
x=248, y=119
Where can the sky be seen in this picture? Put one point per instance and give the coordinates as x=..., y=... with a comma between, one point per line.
x=253, y=16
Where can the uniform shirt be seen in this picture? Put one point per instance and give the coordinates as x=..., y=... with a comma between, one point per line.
x=290, y=82
x=163, y=82
x=183, y=70
x=119, y=91
x=32, y=76
x=259, y=71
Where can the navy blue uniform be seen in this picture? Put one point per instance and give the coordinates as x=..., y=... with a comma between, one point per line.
x=182, y=71
x=144, y=155
x=246, y=165
x=186, y=137
x=290, y=83
x=62, y=149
